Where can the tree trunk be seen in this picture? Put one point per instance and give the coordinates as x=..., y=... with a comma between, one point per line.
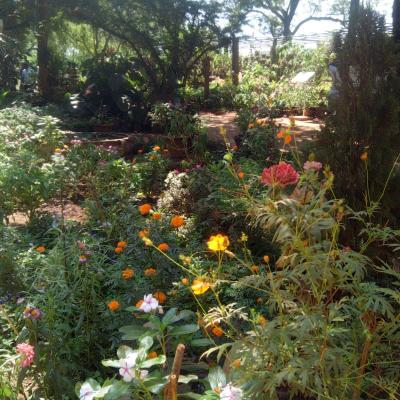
x=235, y=60
x=43, y=49
x=396, y=20
x=353, y=16
x=206, y=75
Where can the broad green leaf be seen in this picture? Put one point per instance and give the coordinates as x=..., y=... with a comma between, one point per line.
x=132, y=332
x=187, y=378
x=183, y=330
x=201, y=342
x=153, y=361
x=216, y=377
x=117, y=390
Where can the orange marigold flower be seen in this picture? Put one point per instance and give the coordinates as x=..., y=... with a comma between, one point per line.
x=364, y=156
x=236, y=363
x=288, y=139
x=217, y=331
x=144, y=209
x=241, y=175
x=163, y=247
x=185, y=281
x=139, y=303
x=262, y=320
x=156, y=215
x=199, y=287
x=128, y=273
x=218, y=242
x=40, y=249
x=255, y=269
x=156, y=148
x=177, y=221
x=118, y=250
x=113, y=305
x=143, y=233
x=122, y=244
x=266, y=259
x=160, y=296
x=150, y=272
x=152, y=354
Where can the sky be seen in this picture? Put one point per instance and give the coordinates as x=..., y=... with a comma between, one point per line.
x=309, y=34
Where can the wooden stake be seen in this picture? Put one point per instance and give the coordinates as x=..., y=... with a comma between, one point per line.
x=170, y=391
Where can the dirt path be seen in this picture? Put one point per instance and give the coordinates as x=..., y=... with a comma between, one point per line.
x=306, y=128
x=214, y=122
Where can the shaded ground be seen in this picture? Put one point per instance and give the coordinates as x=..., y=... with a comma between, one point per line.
x=306, y=128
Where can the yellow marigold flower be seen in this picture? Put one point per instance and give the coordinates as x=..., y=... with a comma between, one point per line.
x=143, y=233
x=163, y=247
x=364, y=156
x=150, y=272
x=113, y=305
x=156, y=148
x=144, y=209
x=152, y=354
x=160, y=296
x=156, y=215
x=266, y=259
x=262, y=320
x=177, y=221
x=122, y=244
x=57, y=150
x=217, y=331
x=40, y=249
x=128, y=273
x=218, y=242
x=199, y=287
x=185, y=281
x=118, y=250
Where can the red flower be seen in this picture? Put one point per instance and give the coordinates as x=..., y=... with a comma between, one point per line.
x=281, y=174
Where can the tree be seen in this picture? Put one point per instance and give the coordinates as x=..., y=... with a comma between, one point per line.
x=279, y=15
x=168, y=38
x=396, y=20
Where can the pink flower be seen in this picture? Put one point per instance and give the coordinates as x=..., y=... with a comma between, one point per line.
x=312, y=165
x=27, y=352
x=281, y=174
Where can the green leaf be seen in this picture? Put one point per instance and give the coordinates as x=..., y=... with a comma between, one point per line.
x=183, y=330
x=132, y=332
x=111, y=363
x=155, y=384
x=201, y=342
x=117, y=390
x=145, y=343
x=216, y=377
x=153, y=361
x=169, y=317
x=187, y=378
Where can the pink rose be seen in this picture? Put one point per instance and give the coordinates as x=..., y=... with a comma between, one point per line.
x=312, y=165
x=27, y=354
x=281, y=174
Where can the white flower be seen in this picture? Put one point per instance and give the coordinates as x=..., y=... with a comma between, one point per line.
x=143, y=373
x=87, y=392
x=149, y=303
x=127, y=365
x=230, y=392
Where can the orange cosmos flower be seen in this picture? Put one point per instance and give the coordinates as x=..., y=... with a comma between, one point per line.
x=185, y=281
x=177, y=221
x=139, y=303
x=156, y=148
x=128, y=273
x=364, y=156
x=152, y=354
x=156, y=215
x=122, y=244
x=288, y=139
x=113, y=305
x=280, y=134
x=40, y=249
x=160, y=296
x=218, y=242
x=255, y=269
x=118, y=250
x=236, y=363
x=199, y=287
x=266, y=259
x=163, y=247
x=241, y=175
x=144, y=233
x=217, y=331
x=150, y=272
x=251, y=126
x=144, y=209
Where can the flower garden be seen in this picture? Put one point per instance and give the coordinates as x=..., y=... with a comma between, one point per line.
x=259, y=264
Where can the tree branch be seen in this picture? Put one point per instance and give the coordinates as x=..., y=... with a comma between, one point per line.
x=300, y=24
